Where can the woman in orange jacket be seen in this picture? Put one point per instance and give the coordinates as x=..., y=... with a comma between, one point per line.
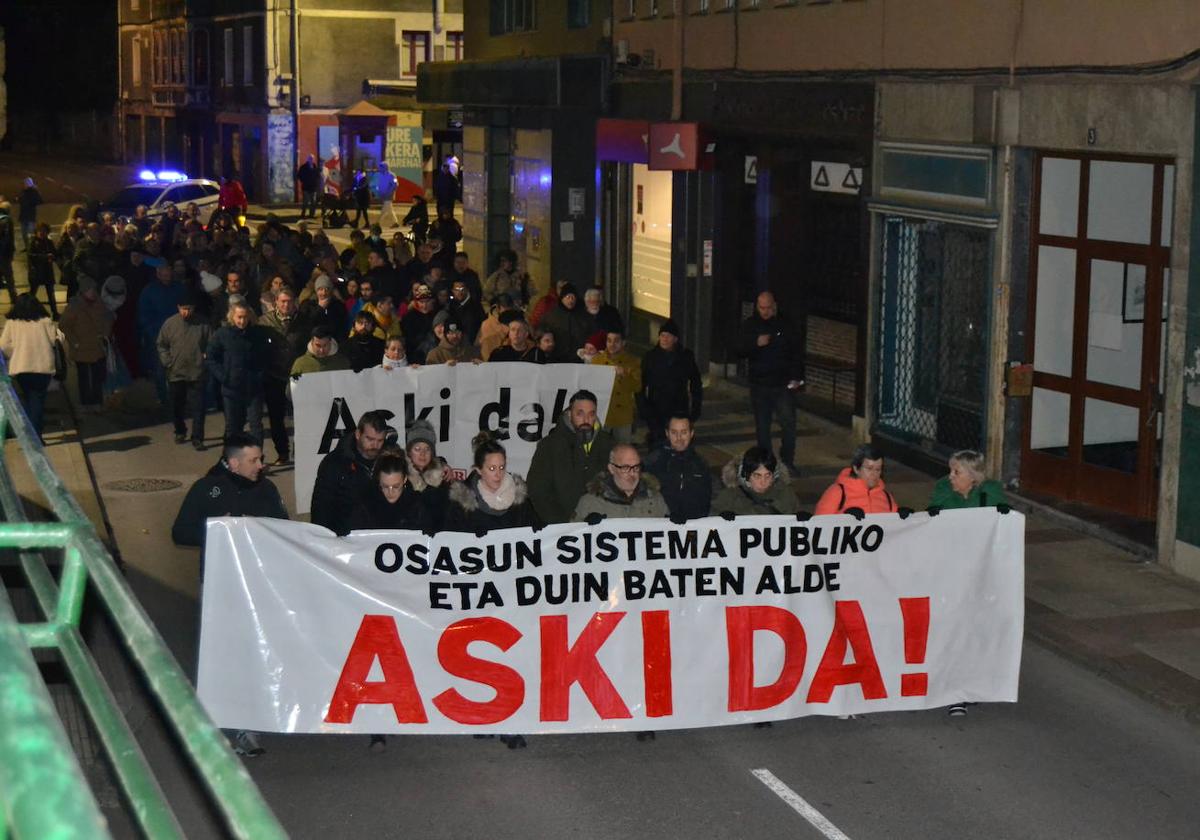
x=859, y=485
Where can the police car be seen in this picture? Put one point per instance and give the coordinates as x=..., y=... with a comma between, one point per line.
x=159, y=190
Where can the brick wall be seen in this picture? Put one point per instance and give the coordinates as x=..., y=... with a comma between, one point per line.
x=831, y=345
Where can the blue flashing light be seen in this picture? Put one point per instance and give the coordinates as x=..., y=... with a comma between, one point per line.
x=171, y=175
x=146, y=175
x=518, y=228
x=544, y=179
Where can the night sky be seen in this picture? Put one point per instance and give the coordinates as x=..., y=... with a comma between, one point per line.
x=62, y=54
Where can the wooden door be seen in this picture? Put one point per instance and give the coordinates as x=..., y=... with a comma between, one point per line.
x=1100, y=246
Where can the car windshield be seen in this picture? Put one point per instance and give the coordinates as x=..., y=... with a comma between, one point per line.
x=133, y=196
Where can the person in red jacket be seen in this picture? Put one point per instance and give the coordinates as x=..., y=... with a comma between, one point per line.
x=859, y=485
x=232, y=197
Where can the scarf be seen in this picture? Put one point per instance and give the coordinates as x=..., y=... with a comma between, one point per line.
x=391, y=364
x=501, y=499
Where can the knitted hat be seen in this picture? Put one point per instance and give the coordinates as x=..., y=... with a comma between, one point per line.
x=421, y=431
x=323, y=282
x=567, y=289
x=442, y=317
x=669, y=326
x=598, y=339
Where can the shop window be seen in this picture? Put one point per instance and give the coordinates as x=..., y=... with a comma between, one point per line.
x=650, y=257
x=416, y=51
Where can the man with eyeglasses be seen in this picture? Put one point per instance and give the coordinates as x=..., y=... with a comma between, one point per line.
x=622, y=490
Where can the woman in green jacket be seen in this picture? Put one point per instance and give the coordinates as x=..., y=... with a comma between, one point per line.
x=967, y=485
x=756, y=486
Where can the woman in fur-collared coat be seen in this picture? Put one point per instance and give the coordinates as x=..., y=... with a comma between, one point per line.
x=490, y=497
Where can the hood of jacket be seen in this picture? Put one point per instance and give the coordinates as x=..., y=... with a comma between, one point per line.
x=602, y=485
x=436, y=474
x=466, y=494
x=780, y=487
x=333, y=349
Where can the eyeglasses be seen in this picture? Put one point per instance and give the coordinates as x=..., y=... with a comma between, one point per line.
x=626, y=468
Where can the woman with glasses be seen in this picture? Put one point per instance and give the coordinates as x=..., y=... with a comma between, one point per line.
x=757, y=485
x=491, y=497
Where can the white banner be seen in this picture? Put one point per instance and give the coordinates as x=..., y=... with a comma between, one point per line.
x=631, y=624
x=520, y=401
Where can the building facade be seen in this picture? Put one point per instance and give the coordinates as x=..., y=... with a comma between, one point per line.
x=214, y=87
x=1023, y=187
x=533, y=85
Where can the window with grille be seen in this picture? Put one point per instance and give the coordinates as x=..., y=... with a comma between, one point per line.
x=513, y=16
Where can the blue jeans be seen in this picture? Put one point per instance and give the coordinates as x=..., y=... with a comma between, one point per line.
x=33, y=388
x=775, y=401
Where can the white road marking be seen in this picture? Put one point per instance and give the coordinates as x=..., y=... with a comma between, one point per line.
x=798, y=804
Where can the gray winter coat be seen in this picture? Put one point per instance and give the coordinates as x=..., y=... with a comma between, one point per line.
x=603, y=497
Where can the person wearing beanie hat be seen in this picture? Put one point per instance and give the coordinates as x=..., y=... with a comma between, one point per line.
x=323, y=282
x=670, y=386
x=453, y=347
x=593, y=345
x=570, y=324
x=428, y=474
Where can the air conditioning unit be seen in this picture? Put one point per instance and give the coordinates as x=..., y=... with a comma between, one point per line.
x=622, y=51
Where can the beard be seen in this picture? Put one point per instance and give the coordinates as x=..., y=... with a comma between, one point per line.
x=584, y=434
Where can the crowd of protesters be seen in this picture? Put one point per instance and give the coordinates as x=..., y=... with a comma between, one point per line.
x=221, y=317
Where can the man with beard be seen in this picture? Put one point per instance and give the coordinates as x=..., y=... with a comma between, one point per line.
x=567, y=459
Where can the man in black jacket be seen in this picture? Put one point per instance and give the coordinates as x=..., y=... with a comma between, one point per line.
x=233, y=487
x=237, y=357
x=309, y=176
x=775, y=349
x=345, y=473
x=671, y=384
x=686, y=481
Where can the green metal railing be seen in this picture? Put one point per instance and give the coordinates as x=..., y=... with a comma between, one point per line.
x=43, y=791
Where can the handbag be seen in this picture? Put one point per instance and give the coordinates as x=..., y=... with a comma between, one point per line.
x=60, y=361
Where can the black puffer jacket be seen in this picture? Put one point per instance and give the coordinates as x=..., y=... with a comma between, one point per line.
x=685, y=481
x=238, y=359
x=374, y=512
x=469, y=512
x=224, y=493
x=433, y=486
x=343, y=478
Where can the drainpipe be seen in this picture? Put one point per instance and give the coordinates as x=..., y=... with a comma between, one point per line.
x=677, y=75
x=294, y=31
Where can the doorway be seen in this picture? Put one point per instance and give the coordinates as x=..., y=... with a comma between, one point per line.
x=1100, y=247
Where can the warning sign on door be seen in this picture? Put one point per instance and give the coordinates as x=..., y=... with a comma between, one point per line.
x=828, y=176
